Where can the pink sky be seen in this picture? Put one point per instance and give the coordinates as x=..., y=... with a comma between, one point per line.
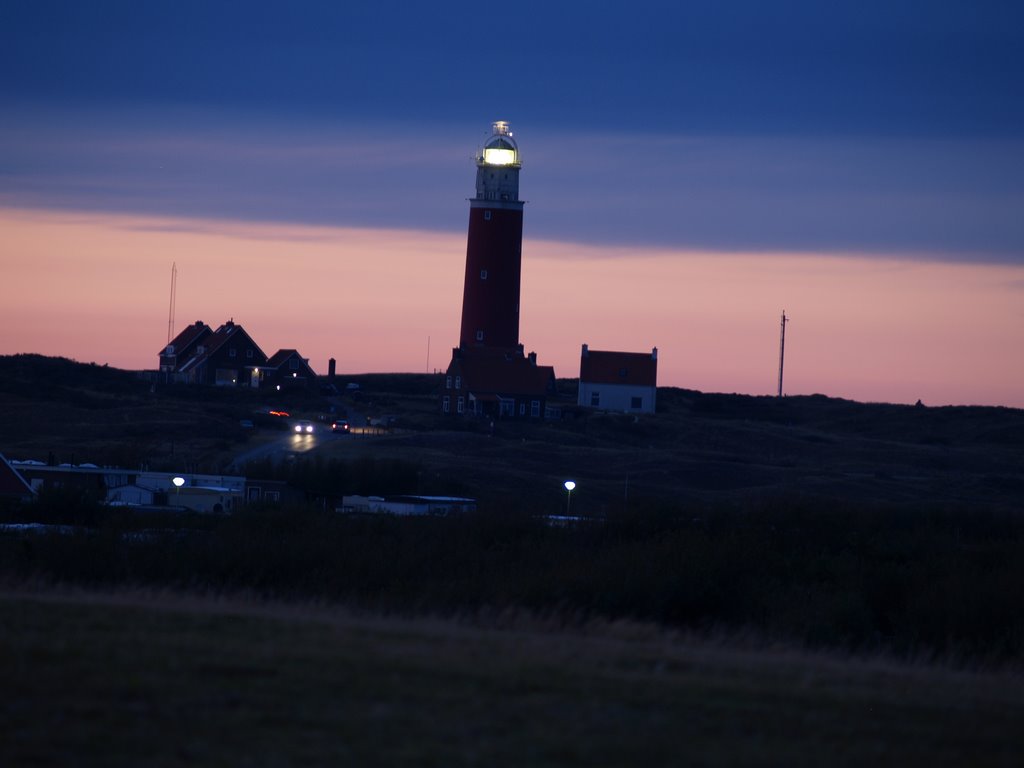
x=95, y=287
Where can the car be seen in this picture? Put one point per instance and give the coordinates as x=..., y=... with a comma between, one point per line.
x=304, y=428
x=340, y=425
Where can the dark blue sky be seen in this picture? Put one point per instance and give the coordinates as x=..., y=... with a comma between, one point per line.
x=889, y=127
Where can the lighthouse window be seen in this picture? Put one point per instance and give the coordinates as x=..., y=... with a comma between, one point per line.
x=487, y=215
x=483, y=274
x=479, y=335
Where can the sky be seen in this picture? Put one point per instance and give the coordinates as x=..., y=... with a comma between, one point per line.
x=691, y=170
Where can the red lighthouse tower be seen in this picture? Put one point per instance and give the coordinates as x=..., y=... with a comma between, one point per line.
x=490, y=297
x=489, y=374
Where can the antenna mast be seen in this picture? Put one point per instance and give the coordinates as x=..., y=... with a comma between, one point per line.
x=170, y=311
x=782, y=348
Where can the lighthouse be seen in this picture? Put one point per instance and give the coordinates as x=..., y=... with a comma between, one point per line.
x=489, y=375
x=494, y=248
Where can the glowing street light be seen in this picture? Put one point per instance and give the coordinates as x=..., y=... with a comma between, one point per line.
x=178, y=482
x=569, y=486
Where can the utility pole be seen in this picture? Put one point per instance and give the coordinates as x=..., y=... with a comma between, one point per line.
x=170, y=311
x=782, y=348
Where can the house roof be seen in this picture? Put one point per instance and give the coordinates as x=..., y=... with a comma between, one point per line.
x=218, y=339
x=504, y=372
x=187, y=336
x=633, y=368
x=11, y=481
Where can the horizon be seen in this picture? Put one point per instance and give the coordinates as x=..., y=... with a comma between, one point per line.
x=689, y=172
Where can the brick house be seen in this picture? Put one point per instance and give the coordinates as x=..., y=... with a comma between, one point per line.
x=495, y=382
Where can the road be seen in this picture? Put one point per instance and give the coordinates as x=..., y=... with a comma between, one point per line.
x=290, y=444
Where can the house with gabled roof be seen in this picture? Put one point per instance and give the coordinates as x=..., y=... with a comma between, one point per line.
x=227, y=357
x=496, y=382
x=286, y=368
x=618, y=381
x=183, y=347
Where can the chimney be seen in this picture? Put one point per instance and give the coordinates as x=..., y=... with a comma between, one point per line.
x=533, y=358
x=654, y=354
x=586, y=351
x=330, y=369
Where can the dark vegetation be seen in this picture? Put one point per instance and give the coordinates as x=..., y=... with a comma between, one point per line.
x=919, y=583
x=808, y=520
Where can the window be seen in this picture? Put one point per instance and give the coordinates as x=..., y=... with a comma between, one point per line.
x=637, y=403
x=272, y=496
x=446, y=404
x=458, y=382
x=487, y=214
x=623, y=373
x=460, y=405
x=535, y=408
x=483, y=274
x=293, y=363
x=595, y=399
x=447, y=382
x=522, y=408
x=479, y=335
x=254, y=493
x=232, y=352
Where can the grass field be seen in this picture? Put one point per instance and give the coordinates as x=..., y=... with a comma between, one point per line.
x=126, y=679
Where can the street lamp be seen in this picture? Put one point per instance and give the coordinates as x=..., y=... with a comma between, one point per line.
x=178, y=482
x=569, y=486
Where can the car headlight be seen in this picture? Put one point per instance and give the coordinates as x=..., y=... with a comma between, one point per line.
x=298, y=427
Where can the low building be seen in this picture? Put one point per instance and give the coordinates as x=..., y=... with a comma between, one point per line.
x=499, y=383
x=125, y=487
x=406, y=505
x=618, y=381
x=12, y=484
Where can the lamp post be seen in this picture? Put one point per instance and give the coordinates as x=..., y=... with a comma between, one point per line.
x=569, y=486
x=178, y=482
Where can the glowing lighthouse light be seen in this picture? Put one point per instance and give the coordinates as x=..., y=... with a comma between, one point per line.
x=499, y=155
x=501, y=149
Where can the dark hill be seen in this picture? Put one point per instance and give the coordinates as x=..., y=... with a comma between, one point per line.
x=698, y=448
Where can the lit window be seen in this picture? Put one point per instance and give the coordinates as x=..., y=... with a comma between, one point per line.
x=483, y=274
x=446, y=404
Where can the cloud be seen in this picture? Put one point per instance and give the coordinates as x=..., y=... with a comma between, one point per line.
x=955, y=199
